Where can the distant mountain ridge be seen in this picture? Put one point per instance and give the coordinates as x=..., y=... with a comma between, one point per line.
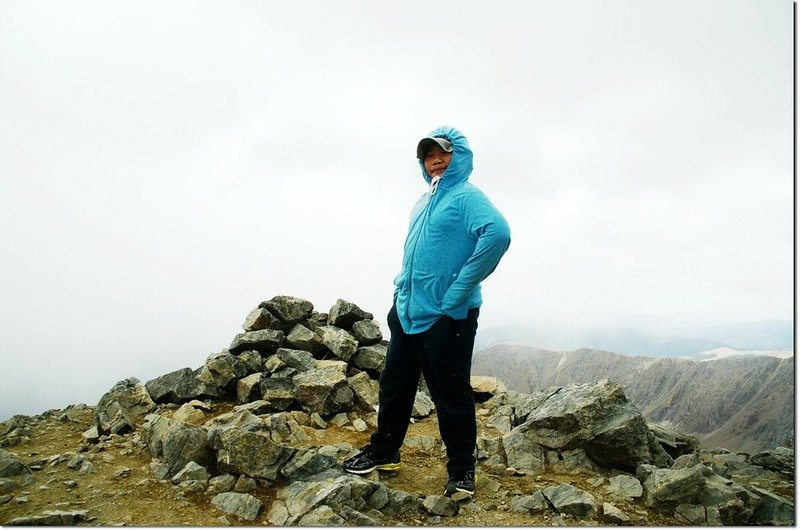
x=744, y=404
x=679, y=342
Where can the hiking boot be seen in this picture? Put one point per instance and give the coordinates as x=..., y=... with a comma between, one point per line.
x=366, y=461
x=464, y=483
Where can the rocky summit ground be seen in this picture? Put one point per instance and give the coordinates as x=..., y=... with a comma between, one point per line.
x=258, y=433
x=111, y=482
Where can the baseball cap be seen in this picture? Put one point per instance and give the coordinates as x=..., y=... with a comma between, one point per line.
x=426, y=143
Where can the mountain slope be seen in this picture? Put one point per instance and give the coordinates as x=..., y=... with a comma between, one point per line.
x=742, y=404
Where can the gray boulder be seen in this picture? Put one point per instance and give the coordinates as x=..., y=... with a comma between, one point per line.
x=529, y=503
x=191, y=471
x=303, y=338
x=123, y=407
x=734, y=504
x=243, y=420
x=613, y=515
x=250, y=453
x=264, y=341
x=773, y=510
x=291, y=310
x=371, y=357
x=260, y=318
x=222, y=370
x=300, y=360
x=322, y=516
x=576, y=461
x=253, y=361
x=7, y=485
x=241, y=505
x=692, y=514
x=356, y=518
x=625, y=486
x=259, y=406
x=283, y=428
x=323, y=390
x=51, y=518
x=596, y=417
x=344, y=314
x=249, y=388
x=687, y=460
x=674, y=442
x=339, y=341
x=423, y=405
x=188, y=413
x=181, y=385
x=16, y=430
x=176, y=443
x=300, y=498
x=566, y=498
x=780, y=460
x=221, y=484
x=441, y=505
x=367, y=332
x=502, y=418
x=522, y=453
x=11, y=466
x=365, y=389
x=307, y=463
x=666, y=488
x=278, y=392
x=484, y=387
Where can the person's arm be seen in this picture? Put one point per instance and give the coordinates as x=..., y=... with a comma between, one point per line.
x=488, y=225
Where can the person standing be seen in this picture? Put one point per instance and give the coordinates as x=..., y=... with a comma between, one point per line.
x=455, y=239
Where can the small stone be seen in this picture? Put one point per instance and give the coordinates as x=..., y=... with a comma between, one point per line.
x=460, y=496
x=472, y=507
x=278, y=514
x=189, y=414
x=122, y=472
x=70, y=484
x=191, y=472
x=241, y=505
x=625, y=486
x=7, y=485
x=613, y=515
x=340, y=420
x=490, y=485
x=359, y=425
x=317, y=420
x=441, y=505
x=221, y=484
x=159, y=469
x=245, y=484
x=91, y=434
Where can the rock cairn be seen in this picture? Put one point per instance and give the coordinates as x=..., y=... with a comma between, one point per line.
x=293, y=372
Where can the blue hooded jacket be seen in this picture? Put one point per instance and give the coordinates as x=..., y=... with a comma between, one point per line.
x=456, y=238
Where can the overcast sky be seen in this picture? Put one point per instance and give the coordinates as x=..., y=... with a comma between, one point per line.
x=166, y=166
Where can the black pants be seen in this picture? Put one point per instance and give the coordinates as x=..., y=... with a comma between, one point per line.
x=443, y=354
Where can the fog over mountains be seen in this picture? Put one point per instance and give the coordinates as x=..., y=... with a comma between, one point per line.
x=775, y=337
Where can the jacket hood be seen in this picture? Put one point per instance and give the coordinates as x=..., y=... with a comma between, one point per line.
x=461, y=162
